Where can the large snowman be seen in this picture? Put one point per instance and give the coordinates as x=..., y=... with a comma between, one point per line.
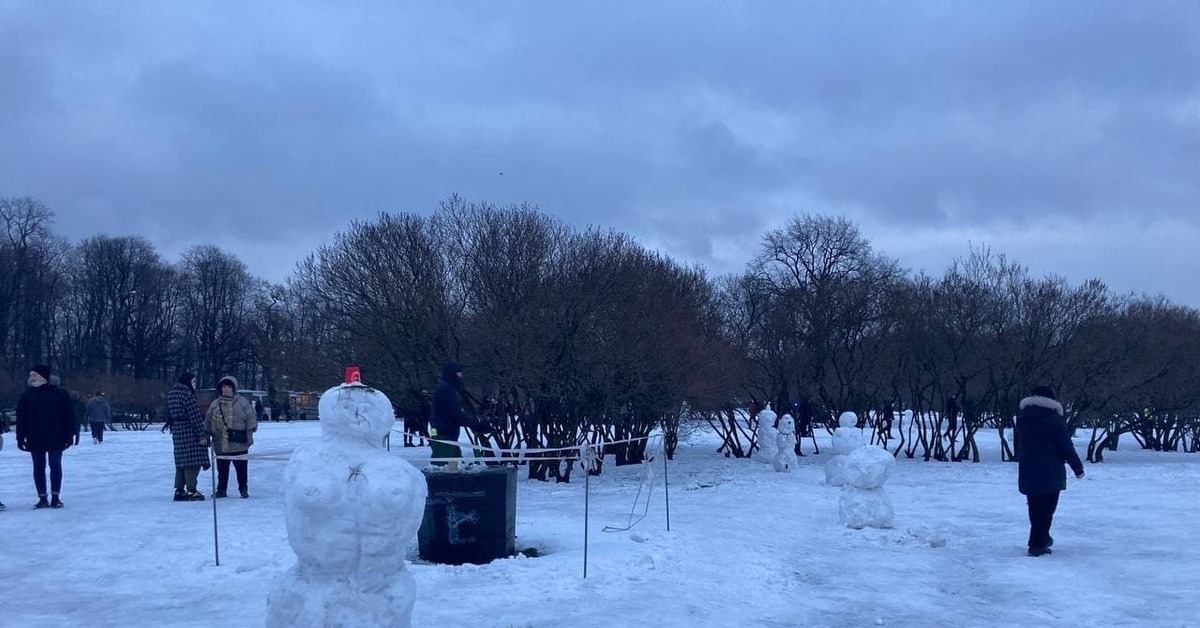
x=352, y=512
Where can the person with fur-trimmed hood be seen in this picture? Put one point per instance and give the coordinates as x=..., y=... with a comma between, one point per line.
x=232, y=424
x=1043, y=445
x=189, y=438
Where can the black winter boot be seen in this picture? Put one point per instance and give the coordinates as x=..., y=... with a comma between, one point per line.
x=55, y=502
x=180, y=496
x=42, y=503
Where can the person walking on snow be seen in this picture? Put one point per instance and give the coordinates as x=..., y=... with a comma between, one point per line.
x=1043, y=445
x=189, y=438
x=99, y=414
x=46, y=427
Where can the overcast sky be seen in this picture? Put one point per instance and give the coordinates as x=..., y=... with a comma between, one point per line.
x=1064, y=134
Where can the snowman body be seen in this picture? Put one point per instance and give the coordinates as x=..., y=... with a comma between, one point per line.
x=846, y=439
x=352, y=512
x=864, y=503
x=765, y=435
x=785, y=444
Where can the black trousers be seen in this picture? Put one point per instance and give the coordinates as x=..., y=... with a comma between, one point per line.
x=223, y=474
x=40, y=458
x=98, y=431
x=1041, y=515
x=185, y=479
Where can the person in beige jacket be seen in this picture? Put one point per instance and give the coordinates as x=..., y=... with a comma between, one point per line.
x=232, y=424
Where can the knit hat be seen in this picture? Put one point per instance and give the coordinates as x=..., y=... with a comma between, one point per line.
x=43, y=370
x=1044, y=391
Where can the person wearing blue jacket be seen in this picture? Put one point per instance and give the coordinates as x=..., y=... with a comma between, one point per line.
x=447, y=418
x=1043, y=446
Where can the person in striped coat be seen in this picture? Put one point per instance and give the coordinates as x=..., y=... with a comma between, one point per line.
x=189, y=436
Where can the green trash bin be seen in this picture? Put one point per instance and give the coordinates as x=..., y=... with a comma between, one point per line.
x=470, y=516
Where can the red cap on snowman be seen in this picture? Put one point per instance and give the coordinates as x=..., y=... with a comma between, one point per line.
x=353, y=377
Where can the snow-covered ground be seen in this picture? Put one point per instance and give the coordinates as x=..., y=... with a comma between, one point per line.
x=747, y=547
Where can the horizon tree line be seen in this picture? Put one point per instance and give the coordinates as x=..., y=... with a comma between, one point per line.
x=573, y=335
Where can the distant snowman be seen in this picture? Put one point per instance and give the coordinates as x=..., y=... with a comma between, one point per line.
x=846, y=439
x=785, y=444
x=864, y=503
x=352, y=512
x=766, y=435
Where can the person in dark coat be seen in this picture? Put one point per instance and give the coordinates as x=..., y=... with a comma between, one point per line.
x=1043, y=446
x=99, y=414
x=951, y=416
x=446, y=416
x=46, y=427
x=804, y=425
x=189, y=437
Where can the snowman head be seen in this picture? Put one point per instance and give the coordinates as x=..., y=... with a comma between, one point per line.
x=848, y=419
x=787, y=425
x=767, y=416
x=355, y=412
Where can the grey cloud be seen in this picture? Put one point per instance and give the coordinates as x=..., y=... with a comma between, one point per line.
x=693, y=126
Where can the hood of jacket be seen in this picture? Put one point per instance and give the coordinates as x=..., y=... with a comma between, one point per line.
x=450, y=371
x=231, y=380
x=1037, y=401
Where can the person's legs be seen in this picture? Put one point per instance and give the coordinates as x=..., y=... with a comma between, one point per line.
x=243, y=476
x=56, y=472
x=39, y=472
x=444, y=450
x=98, y=432
x=222, y=476
x=191, y=476
x=180, y=480
x=1041, y=515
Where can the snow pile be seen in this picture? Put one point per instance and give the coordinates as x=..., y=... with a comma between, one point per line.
x=864, y=503
x=846, y=439
x=352, y=511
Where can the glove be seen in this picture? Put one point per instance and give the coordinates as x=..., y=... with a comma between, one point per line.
x=22, y=444
x=1079, y=474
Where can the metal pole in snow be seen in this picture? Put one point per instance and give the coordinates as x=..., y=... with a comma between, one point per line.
x=666, y=486
x=586, y=499
x=216, y=543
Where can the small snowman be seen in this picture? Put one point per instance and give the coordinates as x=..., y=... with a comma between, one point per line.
x=352, y=512
x=785, y=444
x=766, y=435
x=864, y=503
x=846, y=439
